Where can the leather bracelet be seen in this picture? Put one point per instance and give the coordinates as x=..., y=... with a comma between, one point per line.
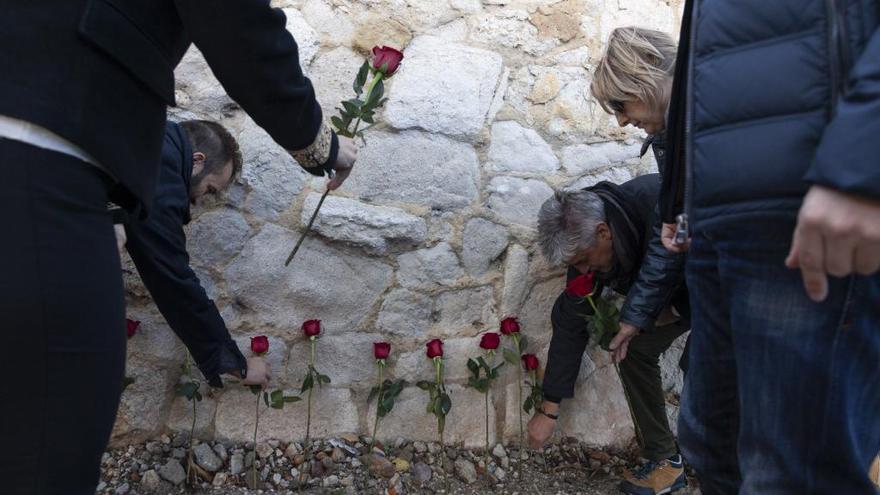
x=552, y=416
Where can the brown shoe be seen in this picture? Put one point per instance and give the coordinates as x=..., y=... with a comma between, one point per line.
x=655, y=478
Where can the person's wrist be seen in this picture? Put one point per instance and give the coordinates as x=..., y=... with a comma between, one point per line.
x=550, y=410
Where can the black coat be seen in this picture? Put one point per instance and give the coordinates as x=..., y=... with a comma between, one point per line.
x=769, y=98
x=653, y=283
x=157, y=246
x=100, y=73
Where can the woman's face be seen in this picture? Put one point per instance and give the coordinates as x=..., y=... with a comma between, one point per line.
x=638, y=114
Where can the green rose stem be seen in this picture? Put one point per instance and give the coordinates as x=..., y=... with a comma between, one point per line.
x=378, y=77
x=308, y=456
x=622, y=384
x=519, y=382
x=486, y=397
x=381, y=363
x=254, y=463
x=441, y=420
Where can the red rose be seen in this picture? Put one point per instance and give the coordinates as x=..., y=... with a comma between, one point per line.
x=435, y=348
x=311, y=328
x=386, y=60
x=381, y=350
x=530, y=362
x=509, y=326
x=582, y=285
x=260, y=345
x=490, y=341
x=131, y=327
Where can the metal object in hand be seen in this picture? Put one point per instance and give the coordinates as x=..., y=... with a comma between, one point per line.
x=681, y=230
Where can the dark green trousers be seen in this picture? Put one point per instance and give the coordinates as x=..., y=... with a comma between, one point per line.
x=640, y=373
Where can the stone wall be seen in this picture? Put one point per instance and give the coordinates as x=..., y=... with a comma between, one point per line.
x=432, y=235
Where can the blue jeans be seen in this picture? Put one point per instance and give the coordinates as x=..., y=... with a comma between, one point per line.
x=783, y=394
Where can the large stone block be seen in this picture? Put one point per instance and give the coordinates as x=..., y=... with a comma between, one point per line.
x=451, y=99
x=333, y=24
x=602, y=16
x=307, y=41
x=518, y=200
x=332, y=75
x=615, y=175
x=465, y=422
x=333, y=413
x=284, y=297
x=518, y=149
x=598, y=414
x=145, y=404
x=465, y=312
x=581, y=158
x=405, y=313
x=417, y=168
x=483, y=242
x=376, y=228
x=415, y=365
x=347, y=359
x=516, y=271
x=181, y=417
x=196, y=88
x=271, y=173
x=217, y=236
x=429, y=267
x=510, y=28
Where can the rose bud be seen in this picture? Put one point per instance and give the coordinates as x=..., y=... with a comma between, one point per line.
x=311, y=328
x=490, y=341
x=581, y=286
x=381, y=350
x=131, y=327
x=435, y=348
x=386, y=60
x=509, y=326
x=260, y=345
x=530, y=362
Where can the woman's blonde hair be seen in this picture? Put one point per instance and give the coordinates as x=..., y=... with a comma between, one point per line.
x=638, y=65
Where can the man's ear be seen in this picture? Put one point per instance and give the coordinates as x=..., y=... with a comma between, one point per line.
x=198, y=162
x=603, y=232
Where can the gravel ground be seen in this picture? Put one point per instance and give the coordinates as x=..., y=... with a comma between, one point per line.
x=342, y=466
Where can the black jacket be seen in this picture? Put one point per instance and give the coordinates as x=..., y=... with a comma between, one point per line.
x=157, y=246
x=653, y=283
x=100, y=73
x=769, y=98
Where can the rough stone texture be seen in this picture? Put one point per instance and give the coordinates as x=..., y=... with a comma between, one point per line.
x=465, y=422
x=309, y=287
x=465, y=312
x=483, y=241
x=516, y=269
x=432, y=235
x=519, y=149
x=347, y=359
x=431, y=267
x=581, y=158
x=415, y=168
x=405, y=313
x=376, y=228
x=454, y=100
x=181, y=416
x=206, y=458
x=235, y=416
x=518, y=200
x=217, y=236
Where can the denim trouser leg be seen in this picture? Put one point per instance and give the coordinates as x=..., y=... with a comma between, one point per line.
x=782, y=393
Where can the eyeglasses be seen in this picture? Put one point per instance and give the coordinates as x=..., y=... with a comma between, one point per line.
x=616, y=106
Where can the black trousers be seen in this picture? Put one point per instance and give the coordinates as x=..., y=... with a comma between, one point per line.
x=61, y=322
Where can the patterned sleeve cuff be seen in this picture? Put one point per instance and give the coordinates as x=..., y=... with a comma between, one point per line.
x=319, y=156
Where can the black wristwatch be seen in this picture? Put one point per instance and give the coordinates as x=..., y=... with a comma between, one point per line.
x=554, y=417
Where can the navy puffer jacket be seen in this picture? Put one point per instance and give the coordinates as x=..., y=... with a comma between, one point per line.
x=771, y=97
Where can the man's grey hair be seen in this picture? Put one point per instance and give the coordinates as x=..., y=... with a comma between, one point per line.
x=567, y=224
